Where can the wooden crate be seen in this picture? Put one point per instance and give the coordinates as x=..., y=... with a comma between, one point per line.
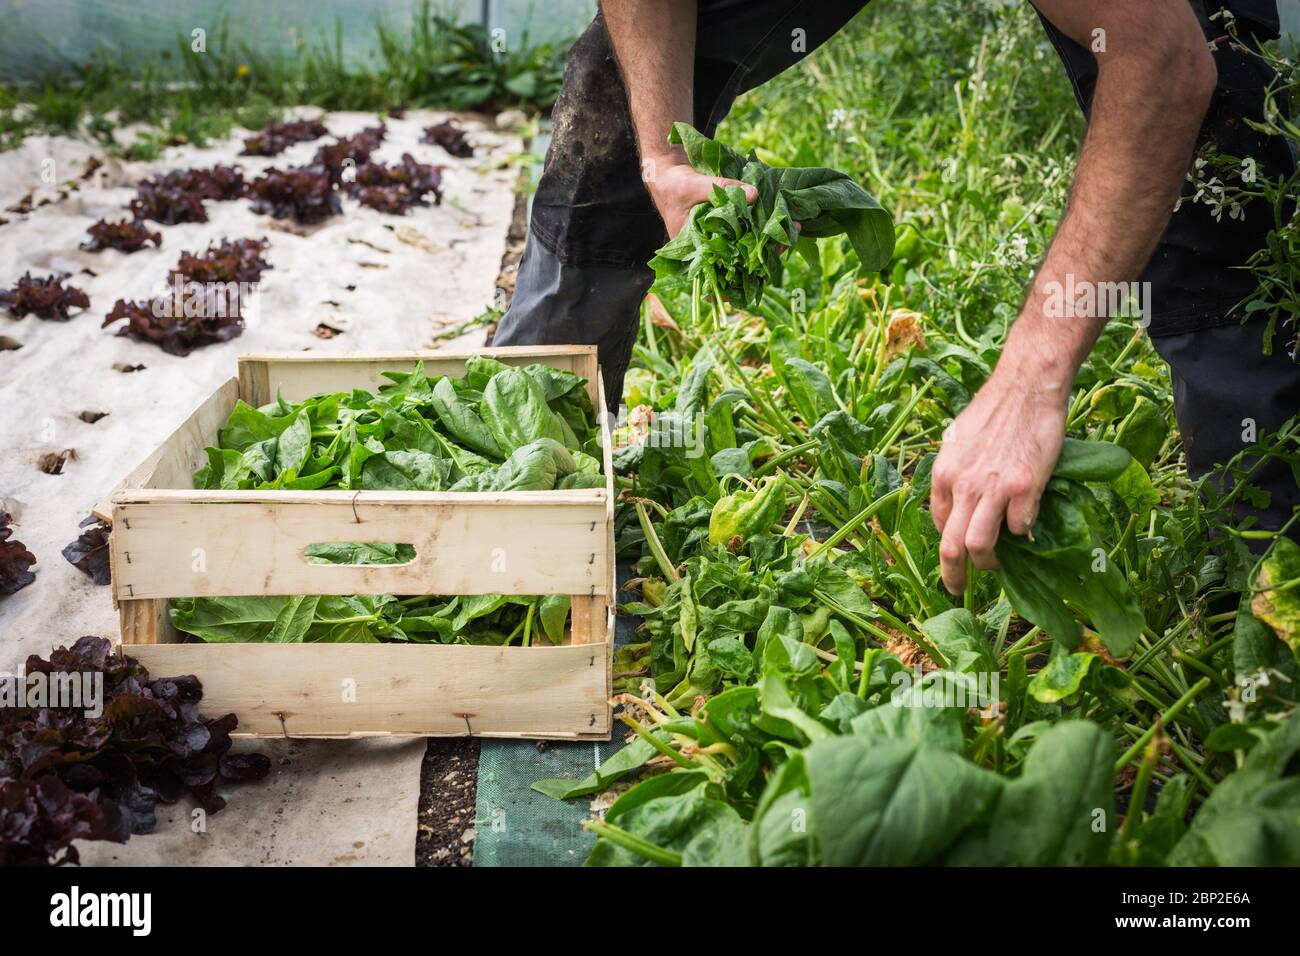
x=170, y=540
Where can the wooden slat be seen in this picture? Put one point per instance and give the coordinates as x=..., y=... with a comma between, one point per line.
x=431, y=690
x=173, y=463
x=146, y=622
x=588, y=618
x=588, y=367
x=299, y=375
x=206, y=544
x=607, y=453
x=254, y=383
x=592, y=616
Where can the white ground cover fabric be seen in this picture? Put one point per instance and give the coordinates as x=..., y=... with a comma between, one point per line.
x=389, y=282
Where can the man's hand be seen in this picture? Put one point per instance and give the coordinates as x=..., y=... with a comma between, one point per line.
x=675, y=187
x=995, y=461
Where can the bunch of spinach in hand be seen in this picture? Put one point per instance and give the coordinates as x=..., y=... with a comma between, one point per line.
x=497, y=428
x=1063, y=567
x=733, y=249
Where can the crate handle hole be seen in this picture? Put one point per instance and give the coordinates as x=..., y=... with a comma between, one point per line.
x=360, y=553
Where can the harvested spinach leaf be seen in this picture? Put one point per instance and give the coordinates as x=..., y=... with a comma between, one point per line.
x=499, y=428
x=515, y=412
x=462, y=421
x=537, y=466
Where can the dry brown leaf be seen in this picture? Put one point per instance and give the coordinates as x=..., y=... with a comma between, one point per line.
x=903, y=333
x=52, y=462
x=325, y=330
x=90, y=165
x=659, y=316
x=368, y=244
x=1092, y=643
x=910, y=653
x=284, y=225
x=414, y=237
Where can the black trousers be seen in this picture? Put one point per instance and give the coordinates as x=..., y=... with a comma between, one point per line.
x=594, y=227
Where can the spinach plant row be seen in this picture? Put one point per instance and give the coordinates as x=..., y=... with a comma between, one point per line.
x=1119, y=691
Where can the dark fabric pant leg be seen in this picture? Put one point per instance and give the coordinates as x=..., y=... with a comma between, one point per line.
x=594, y=228
x=1227, y=394
x=559, y=303
x=583, y=272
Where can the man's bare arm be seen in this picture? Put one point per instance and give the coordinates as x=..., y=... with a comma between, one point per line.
x=654, y=43
x=1155, y=81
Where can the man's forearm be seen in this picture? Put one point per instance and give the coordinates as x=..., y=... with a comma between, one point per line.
x=1154, y=85
x=1155, y=80
x=655, y=47
x=654, y=43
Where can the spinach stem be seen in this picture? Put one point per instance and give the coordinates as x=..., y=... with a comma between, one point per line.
x=1138, y=796
x=1174, y=710
x=1195, y=664
x=776, y=461
x=797, y=516
x=851, y=525
x=658, y=744
x=904, y=415
x=1189, y=762
x=655, y=545
x=634, y=844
